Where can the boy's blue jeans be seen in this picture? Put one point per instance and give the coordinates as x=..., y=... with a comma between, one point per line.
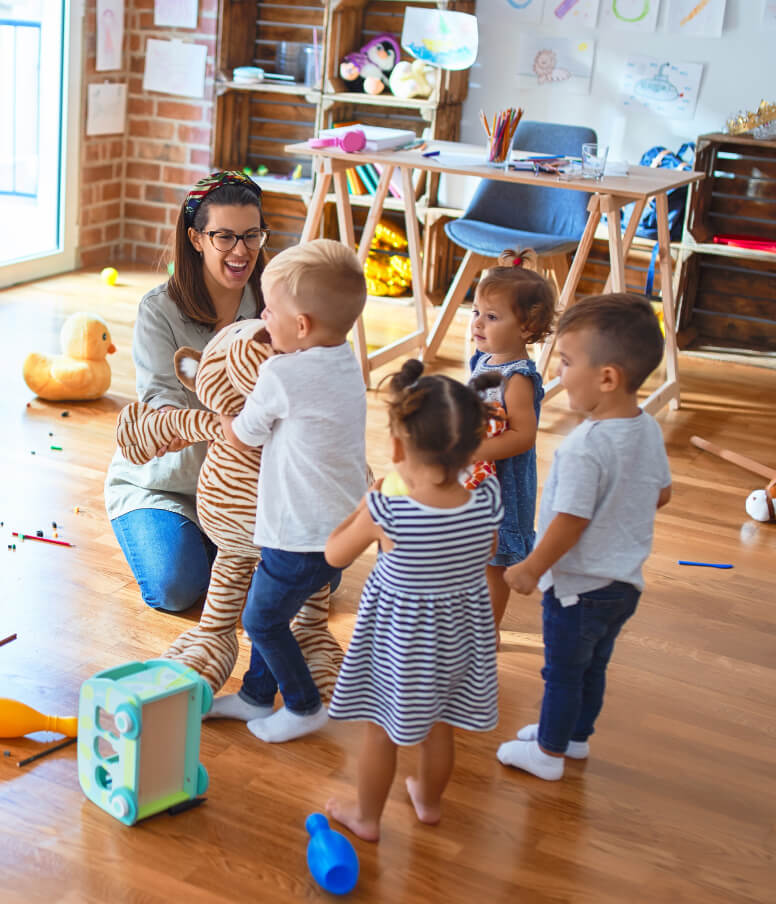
x=169, y=556
x=578, y=643
x=280, y=585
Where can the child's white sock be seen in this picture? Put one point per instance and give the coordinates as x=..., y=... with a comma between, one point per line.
x=284, y=725
x=527, y=755
x=577, y=750
x=232, y=706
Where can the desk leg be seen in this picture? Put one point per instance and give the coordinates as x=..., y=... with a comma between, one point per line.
x=413, y=240
x=471, y=266
x=375, y=212
x=627, y=239
x=570, y=287
x=611, y=208
x=669, y=391
x=315, y=210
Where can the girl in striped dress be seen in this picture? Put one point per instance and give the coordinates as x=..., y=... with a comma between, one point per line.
x=422, y=658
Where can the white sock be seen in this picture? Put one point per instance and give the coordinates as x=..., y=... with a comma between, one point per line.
x=527, y=755
x=577, y=750
x=232, y=706
x=284, y=725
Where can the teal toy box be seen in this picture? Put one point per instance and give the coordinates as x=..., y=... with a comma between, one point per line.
x=138, y=737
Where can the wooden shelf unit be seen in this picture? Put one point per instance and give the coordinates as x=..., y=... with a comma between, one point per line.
x=727, y=294
x=254, y=121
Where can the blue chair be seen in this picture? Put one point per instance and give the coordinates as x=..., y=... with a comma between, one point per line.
x=510, y=215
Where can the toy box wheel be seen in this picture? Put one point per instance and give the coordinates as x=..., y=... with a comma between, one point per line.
x=202, y=779
x=127, y=721
x=122, y=806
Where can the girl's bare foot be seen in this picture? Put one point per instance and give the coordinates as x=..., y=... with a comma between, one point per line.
x=350, y=816
x=425, y=813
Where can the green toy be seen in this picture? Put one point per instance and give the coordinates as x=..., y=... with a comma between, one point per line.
x=138, y=738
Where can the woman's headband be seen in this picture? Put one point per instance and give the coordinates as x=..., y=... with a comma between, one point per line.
x=210, y=183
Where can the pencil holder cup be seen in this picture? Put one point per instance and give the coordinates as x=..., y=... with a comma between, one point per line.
x=498, y=149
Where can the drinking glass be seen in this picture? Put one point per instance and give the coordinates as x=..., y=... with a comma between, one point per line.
x=594, y=160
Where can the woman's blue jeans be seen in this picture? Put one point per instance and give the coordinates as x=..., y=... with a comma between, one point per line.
x=169, y=556
x=280, y=585
x=578, y=643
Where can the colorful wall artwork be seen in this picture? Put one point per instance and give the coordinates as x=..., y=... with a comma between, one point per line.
x=630, y=15
x=696, y=17
x=526, y=12
x=571, y=13
x=563, y=64
x=667, y=89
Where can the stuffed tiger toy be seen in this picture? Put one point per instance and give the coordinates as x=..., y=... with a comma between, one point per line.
x=222, y=377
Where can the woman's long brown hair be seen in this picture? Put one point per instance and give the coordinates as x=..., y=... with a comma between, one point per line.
x=186, y=287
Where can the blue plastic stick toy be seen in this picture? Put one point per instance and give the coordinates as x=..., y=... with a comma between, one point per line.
x=330, y=856
x=705, y=564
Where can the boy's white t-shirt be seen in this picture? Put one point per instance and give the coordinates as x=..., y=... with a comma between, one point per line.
x=308, y=410
x=610, y=471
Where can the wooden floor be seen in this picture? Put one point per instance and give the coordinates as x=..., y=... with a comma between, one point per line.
x=675, y=804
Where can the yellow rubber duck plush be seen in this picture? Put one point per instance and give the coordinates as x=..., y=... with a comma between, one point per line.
x=81, y=371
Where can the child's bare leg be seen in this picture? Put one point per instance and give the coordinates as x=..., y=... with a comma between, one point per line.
x=499, y=593
x=376, y=769
x=437, y=754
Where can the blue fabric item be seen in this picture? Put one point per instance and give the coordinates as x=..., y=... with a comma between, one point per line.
x=508, y=215
x=516, y=475
x=169, y=556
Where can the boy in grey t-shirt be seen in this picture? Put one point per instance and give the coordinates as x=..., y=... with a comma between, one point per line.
x=596, y=521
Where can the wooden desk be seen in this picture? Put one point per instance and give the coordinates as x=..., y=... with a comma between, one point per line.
x=608, y=196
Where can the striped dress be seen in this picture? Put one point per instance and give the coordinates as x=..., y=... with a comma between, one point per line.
x=424, y=648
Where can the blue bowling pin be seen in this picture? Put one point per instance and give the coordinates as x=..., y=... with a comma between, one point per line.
x=330, y=856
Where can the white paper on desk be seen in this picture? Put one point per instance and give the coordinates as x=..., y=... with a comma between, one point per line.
x=175, y=68
x=665, y=88
x=176, y=13
x=696, y=17
x=106, y=109
x=110, y=34
x=630, y=15
x=561, y=64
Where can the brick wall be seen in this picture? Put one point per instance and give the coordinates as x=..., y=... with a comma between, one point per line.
x=132, y=185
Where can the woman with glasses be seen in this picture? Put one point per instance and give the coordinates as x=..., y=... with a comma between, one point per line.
x=219, y=240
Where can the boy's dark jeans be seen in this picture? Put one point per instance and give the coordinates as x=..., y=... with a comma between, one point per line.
x=578, y=643
x=280, y=585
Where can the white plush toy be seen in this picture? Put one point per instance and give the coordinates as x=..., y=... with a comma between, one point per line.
x=415, y=79
x=760, y=504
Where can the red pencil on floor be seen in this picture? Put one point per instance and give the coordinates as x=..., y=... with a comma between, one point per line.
x=42, y=539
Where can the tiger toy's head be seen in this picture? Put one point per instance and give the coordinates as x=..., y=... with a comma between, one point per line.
x=227, y=369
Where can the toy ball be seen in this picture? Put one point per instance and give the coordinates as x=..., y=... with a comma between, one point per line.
x=393, y=485
x=331, y=858
x=109, y=276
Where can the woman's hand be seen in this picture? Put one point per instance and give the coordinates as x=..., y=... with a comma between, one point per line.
x=176, y=443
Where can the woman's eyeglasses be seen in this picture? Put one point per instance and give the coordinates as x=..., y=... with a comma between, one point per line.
x=224, y=241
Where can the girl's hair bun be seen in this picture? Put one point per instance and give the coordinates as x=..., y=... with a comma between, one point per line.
x=409, y=373
x=527, y=258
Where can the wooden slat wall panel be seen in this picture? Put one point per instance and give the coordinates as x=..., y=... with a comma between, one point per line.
x=728, y=301
x=285, y=215
x=739, y=194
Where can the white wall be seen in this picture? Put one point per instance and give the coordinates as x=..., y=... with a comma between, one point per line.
x=739, y=71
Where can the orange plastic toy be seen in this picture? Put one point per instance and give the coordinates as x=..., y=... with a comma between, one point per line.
x=17, y=719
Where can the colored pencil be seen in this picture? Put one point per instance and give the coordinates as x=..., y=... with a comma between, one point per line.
x=8, y=639
x=46, y=752
x=42, y=539
x=705, y=564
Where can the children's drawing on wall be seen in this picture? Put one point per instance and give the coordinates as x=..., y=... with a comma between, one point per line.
x=173, y=67
x=696, y=17
x=633, y=15
x=176, y=13
x=665, y=88
x=571, y=13
x=441, y=38
x=769, y=13
x=110, y=34
x=563, y=63
x=527, y=12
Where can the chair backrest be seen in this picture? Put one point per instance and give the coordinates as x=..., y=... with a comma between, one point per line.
x=551, y=211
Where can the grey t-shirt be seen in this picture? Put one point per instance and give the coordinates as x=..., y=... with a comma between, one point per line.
x=611, y=471
x=169, y=482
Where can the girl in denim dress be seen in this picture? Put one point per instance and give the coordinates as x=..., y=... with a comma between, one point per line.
x=513, y=307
